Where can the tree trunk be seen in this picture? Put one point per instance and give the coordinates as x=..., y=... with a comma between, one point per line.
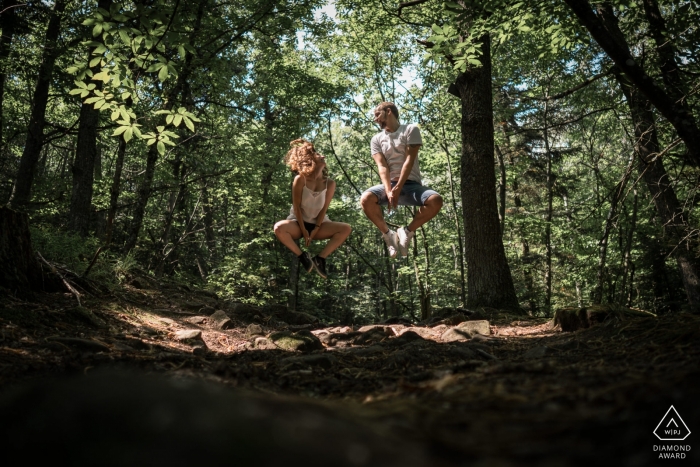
x=83, y=171
x=114, y=190
x=548, y=223
x=20, y=272
x=489, y=282
x=21, y=191
x=84, y=162
x=607, y=34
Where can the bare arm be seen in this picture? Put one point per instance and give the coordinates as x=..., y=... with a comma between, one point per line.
x=411, y=156
x=297, y=190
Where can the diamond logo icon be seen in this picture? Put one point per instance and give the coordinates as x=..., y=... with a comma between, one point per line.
x=672, y=427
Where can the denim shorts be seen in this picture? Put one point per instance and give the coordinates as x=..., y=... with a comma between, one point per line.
x=412, y=194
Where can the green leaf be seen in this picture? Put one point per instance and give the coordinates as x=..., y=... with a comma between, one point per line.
x=95, y=61
x=150, y=141
x=124, y=36
x=128, y=134
x=74, y=92
x=169, y=119
x=177, y=120
x=92, y=100
x=181, y=51
x=120, y=130
x=437, y=29
x=126, y=95
x=163, y=73
x=99, y=104
x=115, y=115
x=189, y=124
x=161, y=148
x=100, y=49
x=137, y=132
x=97, y=30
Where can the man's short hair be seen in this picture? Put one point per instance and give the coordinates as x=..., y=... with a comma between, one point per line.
x=391, y=106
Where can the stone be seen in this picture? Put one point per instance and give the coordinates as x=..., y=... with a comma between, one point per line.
x=425, y=333
x=372, y=336
x=371, y=327
x=166, y=321
x=220, y=320
x=537, y=352
x=334, y=338
x=455, y=335
x=199, y=350
x=475, y=327
x=254, y=330
x=263, y=343
x=302, y=341
x=406, y=337
x=196, y=319
x=189, y=335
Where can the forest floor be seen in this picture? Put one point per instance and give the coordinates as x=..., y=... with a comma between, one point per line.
x=449, y=392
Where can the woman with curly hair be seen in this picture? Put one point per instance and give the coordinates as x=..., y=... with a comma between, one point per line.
x=312, y=192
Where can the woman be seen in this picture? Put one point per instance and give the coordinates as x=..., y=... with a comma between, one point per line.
x=312, y=192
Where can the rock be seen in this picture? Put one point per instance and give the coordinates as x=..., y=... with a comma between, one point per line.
x=166, y=321
x=372, y=326
x=341, y=329
x=263, y=343
x=254, y=330
x=220, y=320
x=121, y=418
x=480, y=338
x=319, y=360
x=192, y=305
x=537, y=352
x=372, y=336
x=302, y=341
x=475, y=327
x=334, y=338
x=455, y=335
x=189, y=335
x=196, y=319
x=199, y=350
x=405, y=338
x=425, y=333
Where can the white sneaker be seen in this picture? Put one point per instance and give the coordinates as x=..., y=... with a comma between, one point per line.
x=404, y=237
x=390, y=239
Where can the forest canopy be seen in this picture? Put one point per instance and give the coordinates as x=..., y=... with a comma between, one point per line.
x=151, y=135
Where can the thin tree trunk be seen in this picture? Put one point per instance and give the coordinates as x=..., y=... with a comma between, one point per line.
x=548, y=224
x=21, y=192
x=617, y=195
x=501, y=189
x=489, y=282
x=114, y=190
x=627, y=265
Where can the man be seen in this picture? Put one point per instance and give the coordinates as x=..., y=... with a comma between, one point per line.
x=395, y=150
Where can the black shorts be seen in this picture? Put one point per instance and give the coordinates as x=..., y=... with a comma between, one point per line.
x=309, y=226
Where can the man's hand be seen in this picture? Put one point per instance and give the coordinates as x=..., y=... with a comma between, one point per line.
x=393, y=197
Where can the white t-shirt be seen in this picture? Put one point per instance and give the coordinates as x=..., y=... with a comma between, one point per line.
x=393, y=146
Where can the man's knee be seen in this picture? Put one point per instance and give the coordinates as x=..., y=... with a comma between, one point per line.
x=368, y=199
x=434, y=201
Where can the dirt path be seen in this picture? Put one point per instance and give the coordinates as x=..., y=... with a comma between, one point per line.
x=518, y=393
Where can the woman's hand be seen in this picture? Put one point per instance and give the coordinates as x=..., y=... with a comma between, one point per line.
x=312, y=235
x=305, y=234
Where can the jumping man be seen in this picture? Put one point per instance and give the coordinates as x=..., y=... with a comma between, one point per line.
x=395, y=150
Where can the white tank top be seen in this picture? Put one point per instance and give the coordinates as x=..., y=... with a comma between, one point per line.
x=311, y=204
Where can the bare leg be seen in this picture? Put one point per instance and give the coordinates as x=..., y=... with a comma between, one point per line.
x=288, y=232
x=373, y=211
x=337, y=232
x=428, y=211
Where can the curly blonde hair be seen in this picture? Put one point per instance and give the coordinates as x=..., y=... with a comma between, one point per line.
x=301, y=157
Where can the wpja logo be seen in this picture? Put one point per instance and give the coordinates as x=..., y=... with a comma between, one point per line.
x=672, y=428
